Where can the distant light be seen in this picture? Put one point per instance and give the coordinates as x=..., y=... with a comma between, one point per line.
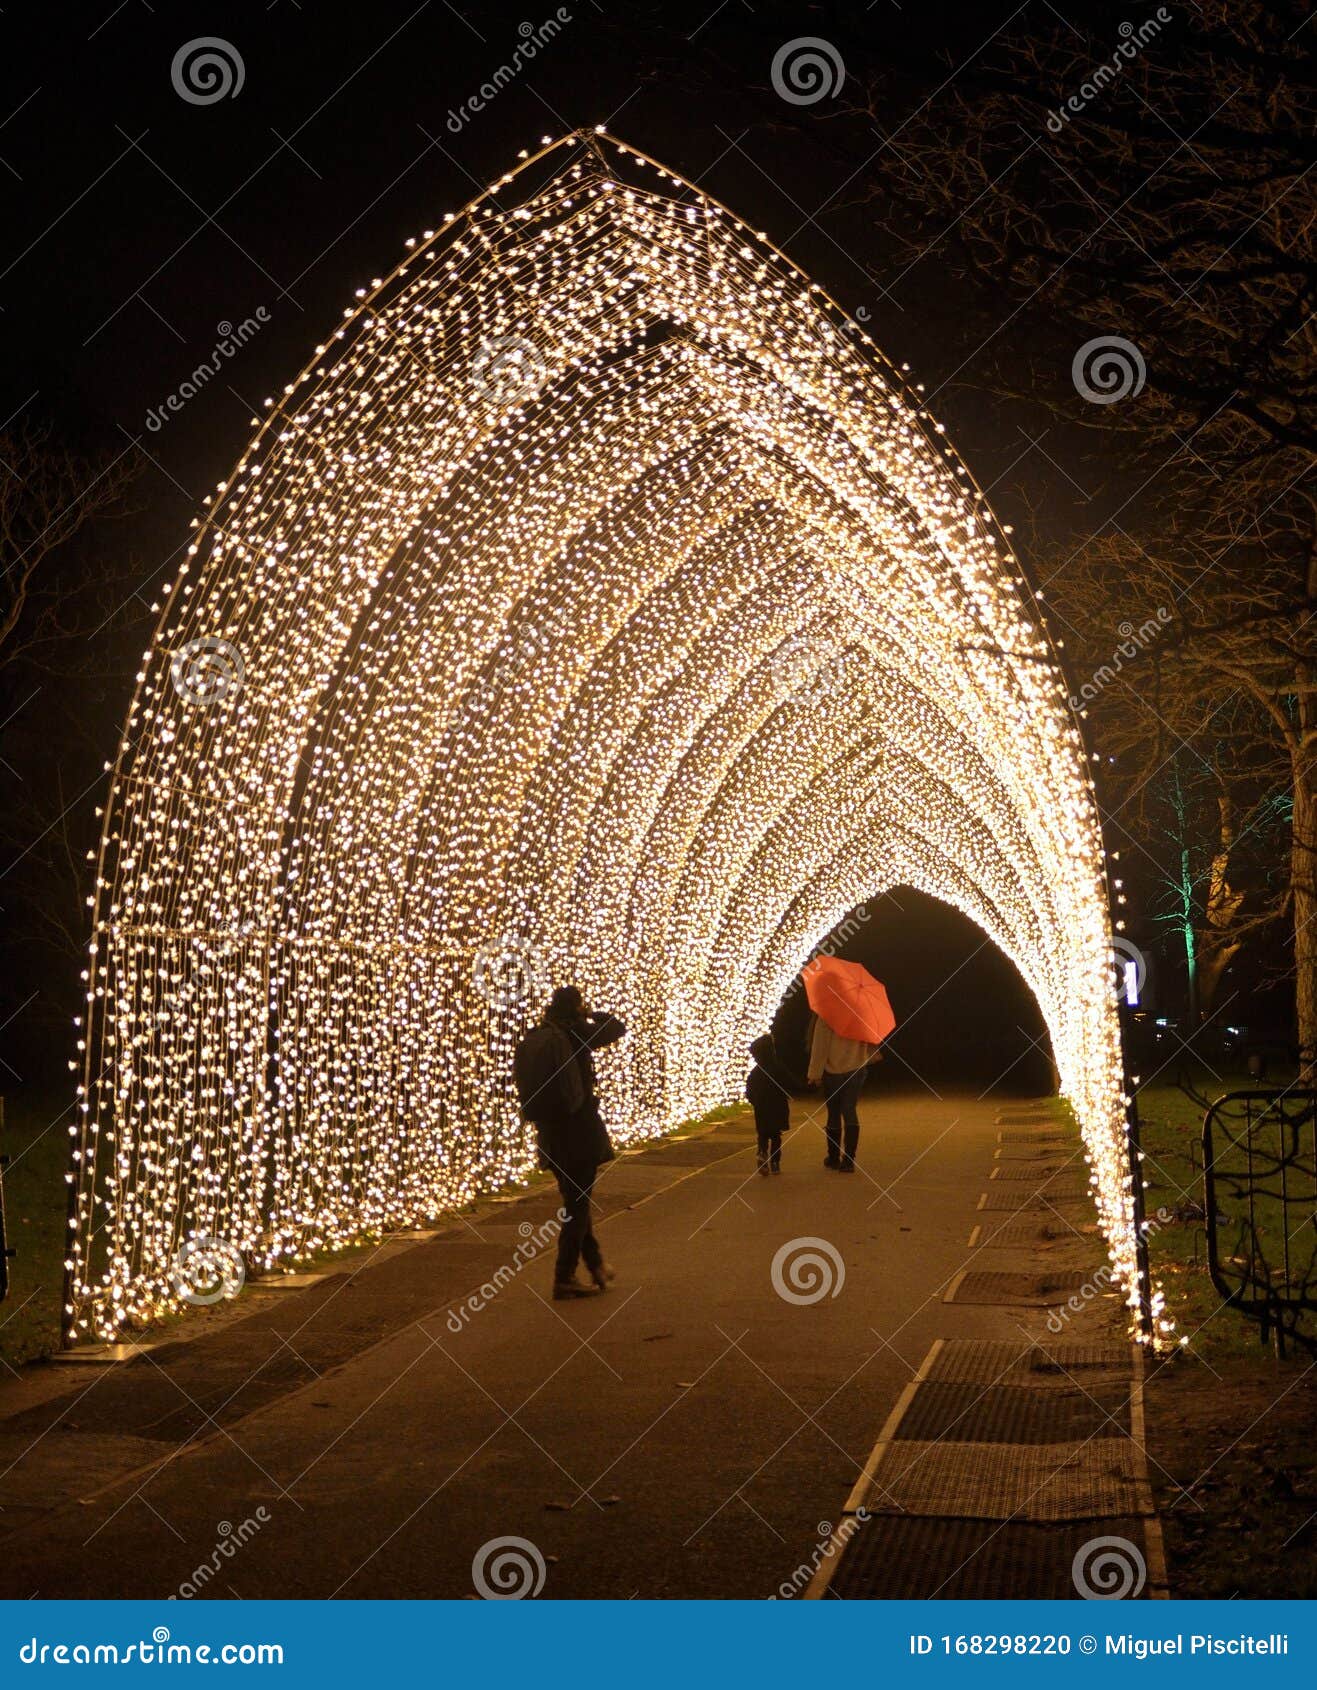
x=1131, y=973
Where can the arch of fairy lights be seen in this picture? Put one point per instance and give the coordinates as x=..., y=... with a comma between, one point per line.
x=598, y=598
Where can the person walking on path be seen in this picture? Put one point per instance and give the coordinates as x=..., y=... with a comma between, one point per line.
x=841, y=1065
x=767, y=1090
x=555, y=1075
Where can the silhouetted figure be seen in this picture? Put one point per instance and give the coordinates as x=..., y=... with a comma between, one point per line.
x=766, y=1087
x=841, y=1064
x=555, y=1075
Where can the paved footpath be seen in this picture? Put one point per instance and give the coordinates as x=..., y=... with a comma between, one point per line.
x=692, y=1433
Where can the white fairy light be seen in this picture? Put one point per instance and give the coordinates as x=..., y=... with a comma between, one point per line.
x=505, y=578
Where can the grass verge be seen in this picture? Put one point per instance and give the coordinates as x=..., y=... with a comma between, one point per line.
x=36, y=1142
x=1172, y=1123
x=1230, y=1425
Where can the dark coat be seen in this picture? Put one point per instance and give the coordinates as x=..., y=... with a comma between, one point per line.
x=581, y=1139
x=769, y=1092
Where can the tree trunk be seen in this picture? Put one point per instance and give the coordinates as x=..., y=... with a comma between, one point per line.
x=1217, y=957
x=1185, y=891
x=1221, y=909
x=1303, y=873
x=1303, y=856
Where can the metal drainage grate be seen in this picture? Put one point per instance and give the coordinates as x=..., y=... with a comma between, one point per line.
x=1003, y=1197
x=891, y=1559
x=1058, y=1361
x=1007, y=1195
x=1014, y=1414
x=1088, y=1480
x=1039, y=1290
x=1041, y=1172
x=990, y=1361
x=1033, y=1233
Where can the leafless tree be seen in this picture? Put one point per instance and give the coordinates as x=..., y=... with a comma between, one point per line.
x=48, y=494
x=1145, y=182
x=61, y=598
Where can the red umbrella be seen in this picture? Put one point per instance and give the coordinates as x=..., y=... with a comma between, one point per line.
x=848, y=998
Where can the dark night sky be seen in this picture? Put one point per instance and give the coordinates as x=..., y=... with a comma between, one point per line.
x=138, y=222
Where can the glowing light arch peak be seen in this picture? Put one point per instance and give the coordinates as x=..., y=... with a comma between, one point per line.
x=598, y=599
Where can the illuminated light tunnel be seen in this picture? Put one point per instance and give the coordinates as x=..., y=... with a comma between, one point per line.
x=597, y=605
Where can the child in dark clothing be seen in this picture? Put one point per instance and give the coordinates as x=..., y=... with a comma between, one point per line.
x=767, y=1090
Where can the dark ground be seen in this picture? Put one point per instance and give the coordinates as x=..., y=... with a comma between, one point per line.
x=686, y=1435
x=1234, y=1454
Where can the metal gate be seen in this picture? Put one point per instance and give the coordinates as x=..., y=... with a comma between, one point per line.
x=1260, y=1174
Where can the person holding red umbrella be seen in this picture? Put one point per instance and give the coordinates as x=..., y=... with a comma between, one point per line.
x=852, y=1018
